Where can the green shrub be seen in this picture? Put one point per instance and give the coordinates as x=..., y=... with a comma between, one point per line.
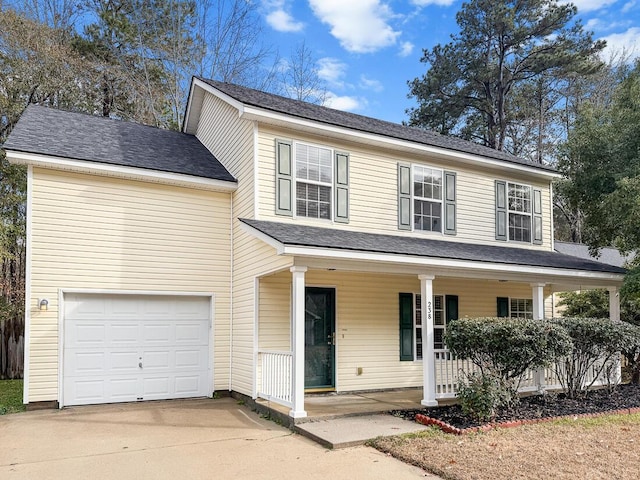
x=504, y=348
x=596, y=342
x=481, y=395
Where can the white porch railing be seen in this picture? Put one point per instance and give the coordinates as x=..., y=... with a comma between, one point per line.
x=276, y=369
x=449, y=369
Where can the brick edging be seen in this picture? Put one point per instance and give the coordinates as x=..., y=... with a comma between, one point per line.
x=447, y=428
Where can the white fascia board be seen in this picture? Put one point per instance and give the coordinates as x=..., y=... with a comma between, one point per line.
x=272, y=242
x=130, y=173
x=447, y=263
x=254, y=113
x=223, y=96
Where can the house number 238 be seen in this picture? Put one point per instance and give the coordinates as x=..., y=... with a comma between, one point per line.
x=429, y=313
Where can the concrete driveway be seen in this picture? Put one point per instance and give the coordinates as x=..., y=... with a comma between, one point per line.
x=188, y=439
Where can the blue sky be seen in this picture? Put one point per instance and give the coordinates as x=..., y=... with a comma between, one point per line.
x=367, y=50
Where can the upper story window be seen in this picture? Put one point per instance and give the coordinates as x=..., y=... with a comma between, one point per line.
x=312, y=181
x=518, y=213
x=519, y=205
x=426, y=199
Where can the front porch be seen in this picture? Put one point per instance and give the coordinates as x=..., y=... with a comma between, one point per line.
x=362, y=365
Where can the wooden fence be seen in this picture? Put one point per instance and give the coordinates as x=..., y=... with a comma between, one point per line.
x=11, y=348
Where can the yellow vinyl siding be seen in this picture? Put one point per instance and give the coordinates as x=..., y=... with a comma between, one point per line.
x=373, y=191
x=367, y=330
x=92, y=232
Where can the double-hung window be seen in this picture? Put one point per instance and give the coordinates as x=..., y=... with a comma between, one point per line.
x=426, y=199
x=314, y=181
x=519, y=205
x=445, y=309
x=311, y=181
x=518, y=212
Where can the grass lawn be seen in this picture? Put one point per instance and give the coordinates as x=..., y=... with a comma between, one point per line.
x=586, y=448
x=11, y=396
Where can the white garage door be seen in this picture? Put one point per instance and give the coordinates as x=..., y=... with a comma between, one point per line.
x=123, y=348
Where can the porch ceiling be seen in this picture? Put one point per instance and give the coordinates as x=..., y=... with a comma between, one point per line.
x=358, y=251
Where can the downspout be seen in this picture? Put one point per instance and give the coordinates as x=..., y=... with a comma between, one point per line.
x=231, y=293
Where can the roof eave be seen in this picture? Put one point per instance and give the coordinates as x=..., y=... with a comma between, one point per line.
x=119, y=171
x=446, y=267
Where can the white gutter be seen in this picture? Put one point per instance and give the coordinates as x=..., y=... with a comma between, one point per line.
x=132, y=173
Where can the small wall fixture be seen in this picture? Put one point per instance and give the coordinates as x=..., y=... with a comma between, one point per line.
x=43, y=304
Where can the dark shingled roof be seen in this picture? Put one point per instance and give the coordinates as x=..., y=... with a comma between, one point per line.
x=306, y=236
x=607, y=254
x=78, y=136
x=361, y=123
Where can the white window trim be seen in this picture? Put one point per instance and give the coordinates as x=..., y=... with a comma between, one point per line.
x=424, y=199
x=294, y=164
x=529, y=214
x=415, y=325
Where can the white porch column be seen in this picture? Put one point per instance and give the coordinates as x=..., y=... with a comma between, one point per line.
x=614, y=304
x=428, y=351
x=614, y=316
x=538, y=300
x=297, y=335
x=537, y=294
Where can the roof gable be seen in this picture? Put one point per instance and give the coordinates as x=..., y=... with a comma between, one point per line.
x=78, y=136
x=360, y=123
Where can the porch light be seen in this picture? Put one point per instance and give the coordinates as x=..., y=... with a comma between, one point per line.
x=43, y=304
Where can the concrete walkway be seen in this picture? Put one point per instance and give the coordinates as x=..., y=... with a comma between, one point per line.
x=193, y=439
x=357, y=430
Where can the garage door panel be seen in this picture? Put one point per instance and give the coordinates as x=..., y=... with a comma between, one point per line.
x=86, y=333
x=191, y=333
x=156, y=333
x=123, y=333
x=106, y=337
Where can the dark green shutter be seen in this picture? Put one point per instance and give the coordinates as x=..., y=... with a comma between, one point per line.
x=451, y=307
x=404, y=196
x=449, y=203
x=503, y=307
x=537, y=217
x=501, y=210
x=406, y=327
x=341, y=185
x=284, y=178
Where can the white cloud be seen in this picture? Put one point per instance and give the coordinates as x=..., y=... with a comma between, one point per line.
x=625, y=42
x=370, y=84
x=283, y=22
x=406, y=49
x=345, y=103
x=360, y=25
x=332, y=70
x=592, y=24
x=440, y=3
x=628, y=6
x=590, y=5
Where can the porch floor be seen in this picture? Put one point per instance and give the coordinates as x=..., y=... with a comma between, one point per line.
x=323, y=406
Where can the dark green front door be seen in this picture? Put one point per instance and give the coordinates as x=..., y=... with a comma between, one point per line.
x=319, y=338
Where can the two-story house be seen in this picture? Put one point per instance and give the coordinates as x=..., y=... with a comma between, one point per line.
x=272, y=249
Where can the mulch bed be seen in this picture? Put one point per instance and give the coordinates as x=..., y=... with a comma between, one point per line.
x=531, y=409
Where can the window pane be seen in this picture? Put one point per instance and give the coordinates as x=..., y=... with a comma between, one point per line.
x=438, y=333
x=418, y=343
x=313, y=200
x=427, y=216
x=519, y=198
x=521, y=308
x=427, y=183
x=313, y=163
x=519, y=227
